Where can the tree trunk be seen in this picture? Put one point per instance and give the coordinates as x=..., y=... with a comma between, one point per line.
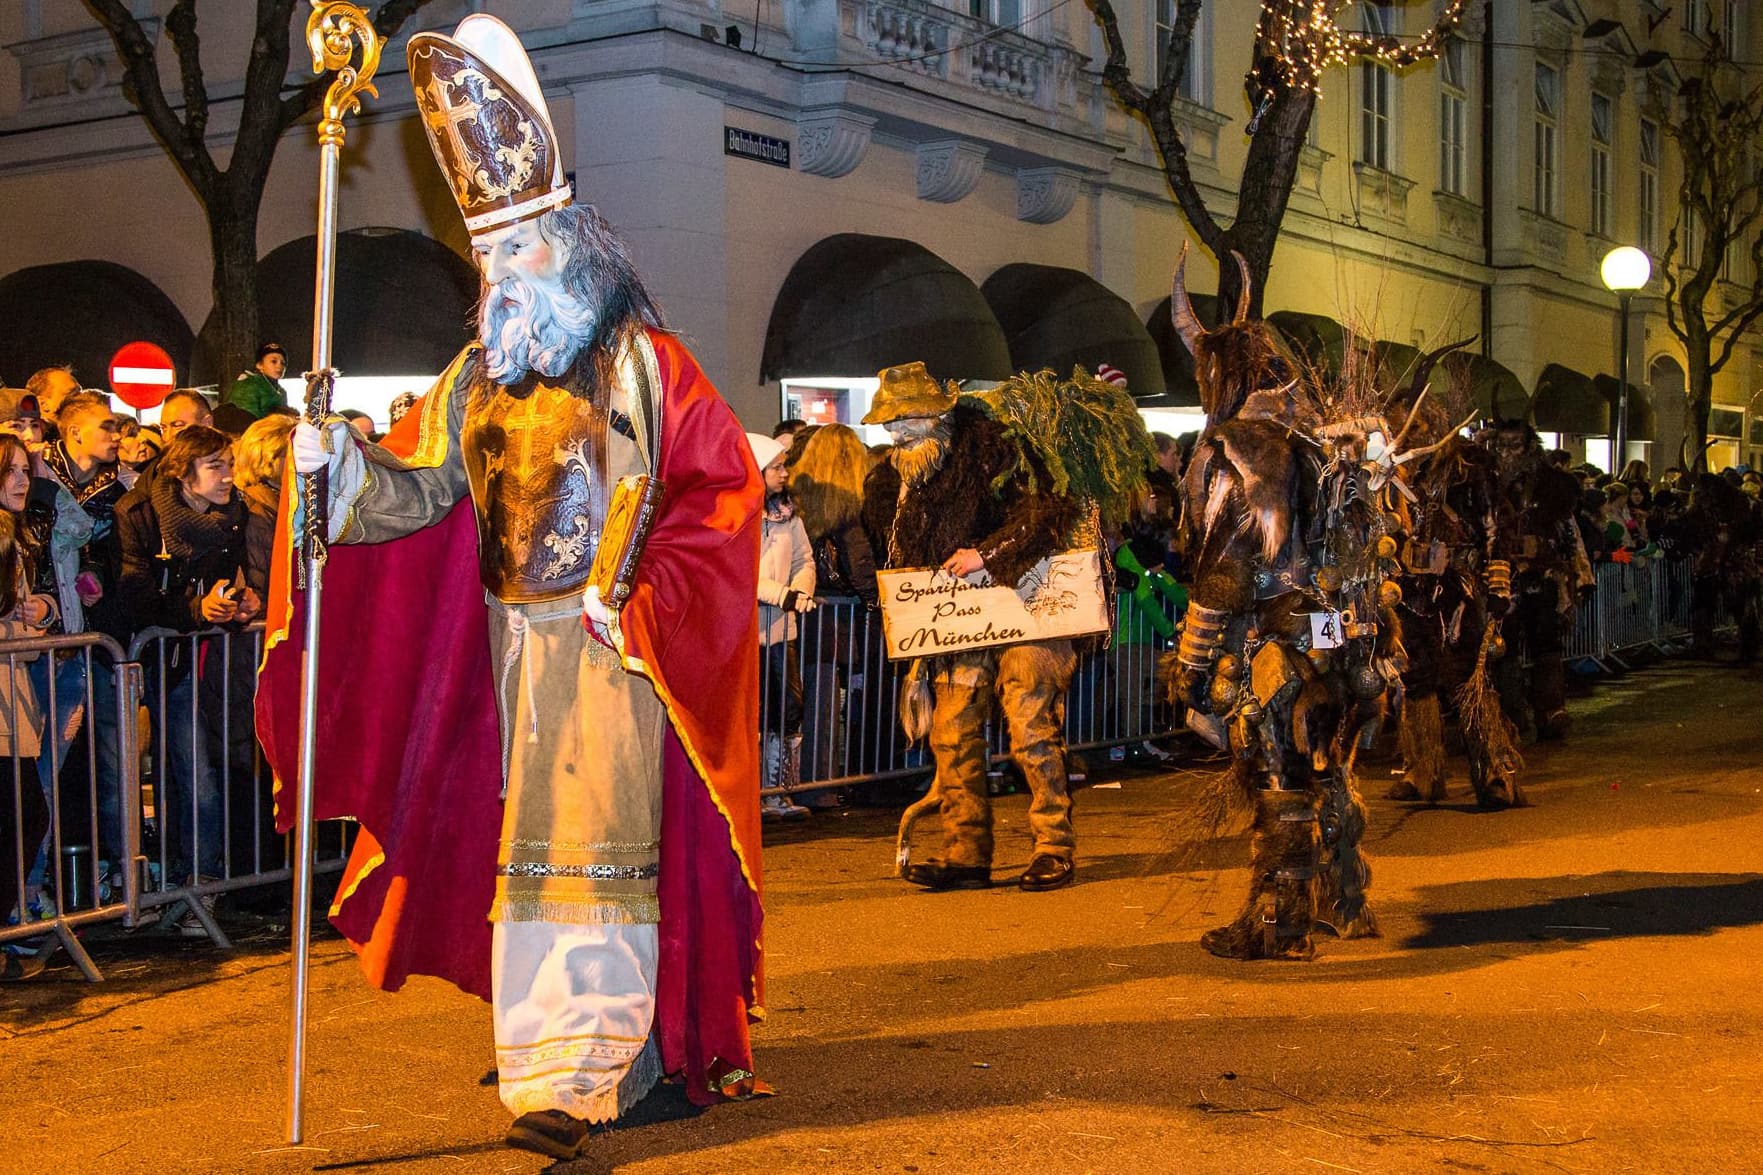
x=1266, y=187
x=1699, y=388
x=232, y=233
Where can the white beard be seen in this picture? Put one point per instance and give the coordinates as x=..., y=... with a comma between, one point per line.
x=525, y=328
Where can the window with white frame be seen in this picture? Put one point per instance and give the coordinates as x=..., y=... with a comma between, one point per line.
x=1163, y=25
x=1731, y=31
x=1547, y=147
x=1377, y=93
x=1603, y=115
x=1649, y=194
x=1695, y=17
x=1453, y=120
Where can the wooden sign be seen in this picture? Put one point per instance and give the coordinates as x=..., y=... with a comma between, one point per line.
x=927, y=612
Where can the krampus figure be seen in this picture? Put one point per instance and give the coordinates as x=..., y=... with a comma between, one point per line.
x=1289, y=652
x=1456, y=591
x=1534, y=509
x=1722, y=529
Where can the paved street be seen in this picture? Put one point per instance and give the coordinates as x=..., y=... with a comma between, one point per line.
x=1569, y=987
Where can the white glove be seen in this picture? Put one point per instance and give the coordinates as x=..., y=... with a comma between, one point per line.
x=313, y=450
x=597, y=612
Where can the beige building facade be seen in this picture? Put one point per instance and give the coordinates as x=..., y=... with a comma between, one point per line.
x=849, y=179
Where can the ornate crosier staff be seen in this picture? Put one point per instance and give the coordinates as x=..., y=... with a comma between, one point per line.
x=331, y=33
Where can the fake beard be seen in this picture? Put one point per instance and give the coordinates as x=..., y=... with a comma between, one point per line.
x=917, y=459
x=529, y=328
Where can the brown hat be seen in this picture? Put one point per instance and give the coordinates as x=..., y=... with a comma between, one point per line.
x=487, y=123
x=908, y=390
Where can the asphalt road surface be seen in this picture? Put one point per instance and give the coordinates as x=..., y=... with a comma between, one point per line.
x=1569, y=987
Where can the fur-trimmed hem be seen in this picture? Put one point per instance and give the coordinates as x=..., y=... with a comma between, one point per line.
x=631, y=911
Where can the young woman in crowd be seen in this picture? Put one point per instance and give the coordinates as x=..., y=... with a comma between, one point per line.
x=786, y=588
x=24, y=816
x=842, y=647
x=185, y=568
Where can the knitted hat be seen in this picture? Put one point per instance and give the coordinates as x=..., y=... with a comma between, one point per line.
x=765, y=450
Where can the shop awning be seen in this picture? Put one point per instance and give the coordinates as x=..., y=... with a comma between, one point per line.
x=1314, y=338
x=1567, y=401
x=80, y=313
x=854, y=304
x=1064, y=318
x=404, y=305
x=1493, y=390
x=1179, y=389
x=1640, y=406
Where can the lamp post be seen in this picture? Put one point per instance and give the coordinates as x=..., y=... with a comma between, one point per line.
x=1625, y=270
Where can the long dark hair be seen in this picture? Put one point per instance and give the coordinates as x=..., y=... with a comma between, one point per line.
x=600, y=273
x=18, y=555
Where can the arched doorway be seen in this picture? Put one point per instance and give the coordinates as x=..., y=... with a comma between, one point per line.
x=404, y=304
x=79, y=313
x=1064, y=318
x=854, y=304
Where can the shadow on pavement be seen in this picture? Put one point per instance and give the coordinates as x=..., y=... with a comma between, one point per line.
x=1609, y=905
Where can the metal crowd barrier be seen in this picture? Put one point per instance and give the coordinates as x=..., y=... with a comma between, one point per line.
x=849, y=729
x=75, y=790
x=158, y=796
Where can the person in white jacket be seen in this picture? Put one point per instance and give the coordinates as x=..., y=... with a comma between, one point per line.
x=786, y=589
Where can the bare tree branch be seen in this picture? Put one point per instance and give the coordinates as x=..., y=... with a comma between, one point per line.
x=1155, y=107
x=1295, y=41
x=141, y=69
x=180, y=25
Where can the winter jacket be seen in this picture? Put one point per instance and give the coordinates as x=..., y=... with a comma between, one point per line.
x=59, y=527
x=786, y=571
x=18, y=699
x=844, y=563
x=172, y=554
x=256, y=393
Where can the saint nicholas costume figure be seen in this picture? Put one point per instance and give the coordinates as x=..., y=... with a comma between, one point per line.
x=557, y=792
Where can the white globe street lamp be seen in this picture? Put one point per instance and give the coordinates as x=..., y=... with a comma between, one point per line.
x=1625, y=270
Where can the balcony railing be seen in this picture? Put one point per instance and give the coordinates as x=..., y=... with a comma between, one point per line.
x=928, y=39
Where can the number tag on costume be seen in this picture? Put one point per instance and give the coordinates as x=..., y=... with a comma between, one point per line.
x=926, y=611
x=1325, y=630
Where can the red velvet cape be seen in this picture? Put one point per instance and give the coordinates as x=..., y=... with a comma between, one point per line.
x=408, y=742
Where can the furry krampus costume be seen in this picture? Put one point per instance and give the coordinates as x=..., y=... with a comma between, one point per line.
x=1456, y=589
x=1722, y=529
x=1289, y=651
x=1534, y=507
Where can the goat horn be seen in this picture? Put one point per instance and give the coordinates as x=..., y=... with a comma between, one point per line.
x=1424, y=365
x=1181, y=310
x=1244, y=289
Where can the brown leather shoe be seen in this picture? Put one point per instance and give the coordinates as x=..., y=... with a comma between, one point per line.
x=1047, y=872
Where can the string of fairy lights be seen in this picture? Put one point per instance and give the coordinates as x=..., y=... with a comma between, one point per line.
x=1305, y=39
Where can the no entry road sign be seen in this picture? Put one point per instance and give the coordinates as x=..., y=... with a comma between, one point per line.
x=142, y=374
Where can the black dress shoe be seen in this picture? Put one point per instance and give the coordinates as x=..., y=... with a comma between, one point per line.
x=549, y=1132
x=1047, y=872
x=936, y=875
